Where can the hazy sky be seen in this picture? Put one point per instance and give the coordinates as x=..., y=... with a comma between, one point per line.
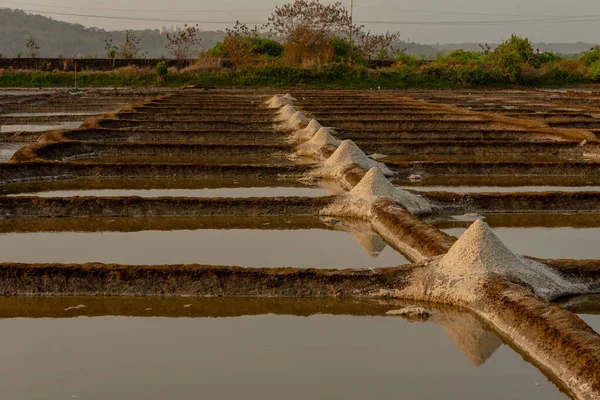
x=470, y=19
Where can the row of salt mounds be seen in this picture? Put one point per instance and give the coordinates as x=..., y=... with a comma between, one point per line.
x=291, y=119
x=322, y=140
x=279, y=100
x=348, y=154
x=307, y=133
x=372, y=187
x=479, y=254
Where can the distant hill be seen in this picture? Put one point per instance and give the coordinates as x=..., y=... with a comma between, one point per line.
x=57, y=38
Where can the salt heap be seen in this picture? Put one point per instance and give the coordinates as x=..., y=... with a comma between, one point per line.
x=308, y=132
x=289, y=97
x=277, y=101
x=320, y=141
x=479, y=253
x=285, y=113
x=347, y=155
x=373, y=186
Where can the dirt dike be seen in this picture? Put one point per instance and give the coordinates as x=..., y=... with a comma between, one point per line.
x=72, y=149
x=474, y=147
x=539, y=202
x=49, y=170
x=194, y=280
x=185, y=125
x=209, y=136
x=508, y=168
x=269, y=222
x=383, y=135
x=38, y=207
x=233, y=116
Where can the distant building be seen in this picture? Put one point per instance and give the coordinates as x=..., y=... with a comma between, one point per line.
x=169, y=29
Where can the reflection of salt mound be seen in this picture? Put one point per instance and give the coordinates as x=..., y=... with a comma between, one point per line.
x=308, y=132
x=347, y=155
x=470, y=336
x=373, y=186
x=479, y=252
x=363, y=233
x=285, y=113
x=320, y=141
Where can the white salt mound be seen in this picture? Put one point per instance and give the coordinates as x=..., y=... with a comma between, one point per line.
x=276, y=101
x=289, y=97
x=323, y=137
x=349, y=154
x=375, y=185
x=298, y=118
x=479, y=251
x=318, y=142
x=308, y=132
x=285, y=113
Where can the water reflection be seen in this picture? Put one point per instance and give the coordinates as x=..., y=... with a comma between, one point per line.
x=278, y=241
x=230, y=348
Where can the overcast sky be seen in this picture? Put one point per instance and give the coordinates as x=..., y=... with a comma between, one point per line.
x=424, y=16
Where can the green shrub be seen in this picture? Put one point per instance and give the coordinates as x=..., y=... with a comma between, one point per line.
x=266, y=47
x=594, y=72
x=343, y=51
x=404, y=59
x=590, y=57
x=461, y=57
x=161, y=69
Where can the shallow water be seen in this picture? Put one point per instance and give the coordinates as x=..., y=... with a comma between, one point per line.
x=549, y=243
x=309, y=352
x=179, y=185
x=57, y=114
x=502, y=189
x=40, y=128
x=233, y=159
x=521, y=220
x=7, y=150
x=512, y=181
x=223, y=192
x=249, y=247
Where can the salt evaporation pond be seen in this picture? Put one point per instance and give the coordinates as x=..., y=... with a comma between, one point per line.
x=40, y=128
x=222, y=192
x=261, y=247
x=548, y=243
x=501, y=189
x=302, y=355
x=7, y=150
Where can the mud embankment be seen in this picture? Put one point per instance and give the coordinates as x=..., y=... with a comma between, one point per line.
x=36, y=207
x=538, y=202
x=558, y=168
x=68, y=150
x=194, y=280
x=36, y=171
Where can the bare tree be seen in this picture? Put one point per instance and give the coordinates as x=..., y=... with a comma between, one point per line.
x=130, y=47
x=306, y=26
x=378, y=46
x=184, y=43
x=238, y=43
x=33, y=49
